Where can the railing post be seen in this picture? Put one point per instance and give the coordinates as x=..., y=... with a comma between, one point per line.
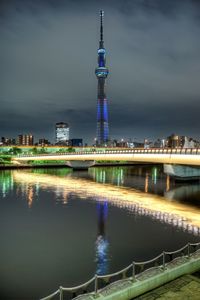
x=163, y=260
x=188, y=250
x=133, y=271
x=61, y=293
x=96, y=284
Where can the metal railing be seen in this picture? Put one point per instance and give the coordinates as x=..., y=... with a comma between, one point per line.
x=182, y=151
x=135, y=271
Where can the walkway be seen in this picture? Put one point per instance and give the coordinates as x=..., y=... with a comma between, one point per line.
x=185, y=287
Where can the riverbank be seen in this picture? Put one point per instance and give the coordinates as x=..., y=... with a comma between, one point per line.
x=13, y=167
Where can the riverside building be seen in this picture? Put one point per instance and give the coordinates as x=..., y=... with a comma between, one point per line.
x=25, y=140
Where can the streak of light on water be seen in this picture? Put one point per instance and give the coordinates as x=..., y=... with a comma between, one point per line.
x=157, y=207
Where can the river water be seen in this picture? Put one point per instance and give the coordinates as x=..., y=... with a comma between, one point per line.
x=60, y=227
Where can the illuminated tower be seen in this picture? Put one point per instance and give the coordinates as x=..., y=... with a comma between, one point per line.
x=102, y=105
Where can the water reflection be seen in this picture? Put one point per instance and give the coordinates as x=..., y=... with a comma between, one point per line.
x=102, y=244
x=55, y=228
x=61, y=194
x=133, y=176
x=30, y=196
x=154, y=175
x=113, y=175
x=146, y=189
x=6, y=182
x=177, y=214
x=183, y=194
x=167, y=183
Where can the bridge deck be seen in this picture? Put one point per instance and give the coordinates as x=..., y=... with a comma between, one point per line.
x=164, y=156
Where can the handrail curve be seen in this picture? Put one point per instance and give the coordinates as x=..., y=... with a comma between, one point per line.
x=78, y=287
x=115, y=274
x=148, y=261
x=51, y=295
x=133, y=277
x=179, y=250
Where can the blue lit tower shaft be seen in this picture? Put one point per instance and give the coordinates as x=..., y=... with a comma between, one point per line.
x=102, y=106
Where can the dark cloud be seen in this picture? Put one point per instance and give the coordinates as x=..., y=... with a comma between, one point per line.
x=48, y=56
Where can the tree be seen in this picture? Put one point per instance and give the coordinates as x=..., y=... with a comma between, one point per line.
x=42, y=151
x=70, y=149
x=15, y=151
x=34, y=150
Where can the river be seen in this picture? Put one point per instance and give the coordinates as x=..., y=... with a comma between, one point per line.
x=60, y=227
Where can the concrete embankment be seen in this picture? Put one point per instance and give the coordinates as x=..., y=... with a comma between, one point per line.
x=151, y=279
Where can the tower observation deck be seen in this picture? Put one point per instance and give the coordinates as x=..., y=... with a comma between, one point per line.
x=102, y=104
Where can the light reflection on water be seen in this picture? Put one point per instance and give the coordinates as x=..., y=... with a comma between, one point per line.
x=6, y=182
x=171, y=212
x=102, y=244
x=134, y=209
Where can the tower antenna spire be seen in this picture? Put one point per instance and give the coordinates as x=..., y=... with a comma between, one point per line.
x=101, y=28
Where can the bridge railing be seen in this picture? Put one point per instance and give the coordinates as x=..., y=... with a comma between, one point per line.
x=182, y=151
x=133, y=272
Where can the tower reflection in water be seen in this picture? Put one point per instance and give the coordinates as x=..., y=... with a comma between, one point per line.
x=102, y=244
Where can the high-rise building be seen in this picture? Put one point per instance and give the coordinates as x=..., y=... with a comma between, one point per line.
x=76, y=142
x=43, y=142
x=8, y=141
x=102, y=106
x=175, y=141
x=62, y=133
x=25, y=140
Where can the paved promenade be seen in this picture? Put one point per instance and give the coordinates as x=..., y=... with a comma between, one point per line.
x=184, y=288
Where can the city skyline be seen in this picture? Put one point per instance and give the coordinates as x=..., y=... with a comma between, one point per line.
x=48, y=58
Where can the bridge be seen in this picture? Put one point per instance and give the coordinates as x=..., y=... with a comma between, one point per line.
x=180, y=156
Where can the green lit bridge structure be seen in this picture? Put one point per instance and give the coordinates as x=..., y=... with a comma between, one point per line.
x=182, y=156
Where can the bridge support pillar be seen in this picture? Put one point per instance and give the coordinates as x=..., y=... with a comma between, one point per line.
x=182, y=172
x=80, y=164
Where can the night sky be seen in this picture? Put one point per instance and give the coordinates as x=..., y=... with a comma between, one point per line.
x=48, y=55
